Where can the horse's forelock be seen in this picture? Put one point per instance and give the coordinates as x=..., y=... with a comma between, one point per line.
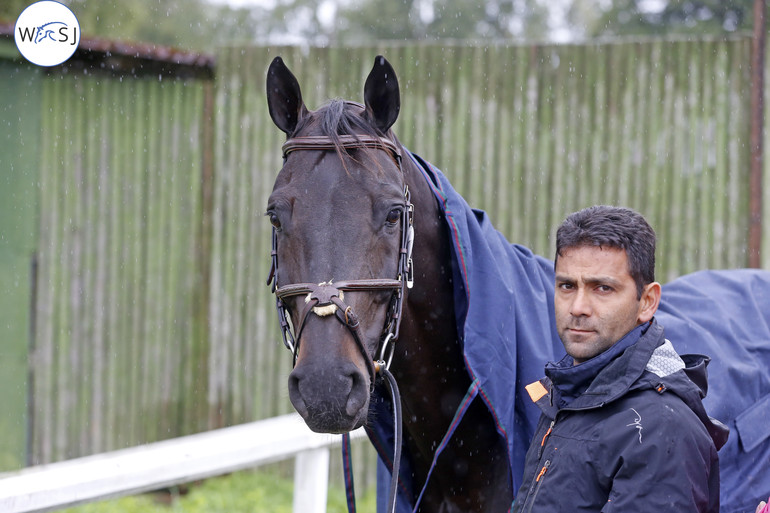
x=338, y=117
x=335, y=118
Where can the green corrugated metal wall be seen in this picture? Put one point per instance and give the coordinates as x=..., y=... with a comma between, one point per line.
x=19, y=171
x=151, y=315
x=531, y=133
x=118, y=359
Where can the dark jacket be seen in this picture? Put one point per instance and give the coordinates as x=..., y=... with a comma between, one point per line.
x=638, y=439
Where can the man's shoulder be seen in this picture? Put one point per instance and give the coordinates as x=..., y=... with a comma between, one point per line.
x=658, y=411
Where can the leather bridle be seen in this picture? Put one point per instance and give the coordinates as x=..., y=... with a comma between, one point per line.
x=330, y=294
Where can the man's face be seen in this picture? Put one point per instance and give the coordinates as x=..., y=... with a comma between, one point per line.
x=596, y=300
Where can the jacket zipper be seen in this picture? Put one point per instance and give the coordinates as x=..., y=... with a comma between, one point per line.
x=535, y=488
x=545, y=438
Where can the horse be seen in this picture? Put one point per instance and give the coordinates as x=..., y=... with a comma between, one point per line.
x=373, y=269
x=337, y=213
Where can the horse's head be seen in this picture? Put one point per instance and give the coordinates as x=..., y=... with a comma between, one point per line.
x=340, y=213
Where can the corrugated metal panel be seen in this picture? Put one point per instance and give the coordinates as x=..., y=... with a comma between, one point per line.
x=19, y=164
x=118, y=267
x=766, y=175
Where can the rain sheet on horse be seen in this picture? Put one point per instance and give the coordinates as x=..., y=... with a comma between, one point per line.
x=504, y=306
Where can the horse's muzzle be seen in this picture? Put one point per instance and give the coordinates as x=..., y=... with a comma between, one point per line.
x=330, y=399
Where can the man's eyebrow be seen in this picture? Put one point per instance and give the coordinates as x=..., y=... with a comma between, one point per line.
x=592, y=280
x=604, y=280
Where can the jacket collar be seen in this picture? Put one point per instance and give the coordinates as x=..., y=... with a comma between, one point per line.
x=612, y=381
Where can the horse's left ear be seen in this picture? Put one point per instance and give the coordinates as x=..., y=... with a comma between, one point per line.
x=381, y=96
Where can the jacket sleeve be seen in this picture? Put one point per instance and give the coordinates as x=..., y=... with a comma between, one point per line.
x=663, y=460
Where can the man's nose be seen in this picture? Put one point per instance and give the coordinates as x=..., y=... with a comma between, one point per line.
x=581, y=304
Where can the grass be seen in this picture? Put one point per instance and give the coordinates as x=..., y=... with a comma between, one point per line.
x=241, y=492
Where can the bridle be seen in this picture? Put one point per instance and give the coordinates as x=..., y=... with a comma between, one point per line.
x=330, y=294
x=322, y=295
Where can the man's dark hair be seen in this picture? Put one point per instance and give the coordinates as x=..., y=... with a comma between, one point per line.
x=612, y=227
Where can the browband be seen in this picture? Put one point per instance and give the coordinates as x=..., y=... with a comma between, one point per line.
x=322, y=142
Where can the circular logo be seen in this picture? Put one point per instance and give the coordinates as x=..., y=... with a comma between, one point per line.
x=47, y=33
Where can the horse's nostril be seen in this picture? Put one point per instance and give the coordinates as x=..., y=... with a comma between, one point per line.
x=359, y=393
x=296, y=396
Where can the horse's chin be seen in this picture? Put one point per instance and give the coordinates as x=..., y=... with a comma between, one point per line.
x=332, y=422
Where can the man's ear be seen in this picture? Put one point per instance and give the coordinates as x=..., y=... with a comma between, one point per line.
x=649, y=302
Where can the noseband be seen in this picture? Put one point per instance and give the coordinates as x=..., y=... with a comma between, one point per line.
x=326, y=298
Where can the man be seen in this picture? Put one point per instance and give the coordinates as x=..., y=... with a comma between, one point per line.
x=622, y=426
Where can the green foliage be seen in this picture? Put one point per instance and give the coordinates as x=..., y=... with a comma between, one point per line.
x=10, y=9
x=203, y=25
x=193, y=25
x=680, y=17
x=440, y=19
x=242, y=492
x=188, y=24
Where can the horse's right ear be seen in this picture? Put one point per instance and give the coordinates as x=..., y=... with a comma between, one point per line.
x=381, y=95
x=284, y=99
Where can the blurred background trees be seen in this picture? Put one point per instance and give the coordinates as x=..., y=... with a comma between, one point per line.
x=203, y=25
x=596, y=18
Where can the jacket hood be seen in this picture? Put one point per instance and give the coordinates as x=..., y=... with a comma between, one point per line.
x=687, y=377
x=690, y=383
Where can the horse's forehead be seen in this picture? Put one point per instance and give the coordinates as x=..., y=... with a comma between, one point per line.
x=316, y=119
x=366, y=171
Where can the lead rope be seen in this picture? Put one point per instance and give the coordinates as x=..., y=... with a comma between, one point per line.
x=347, y=470
x=395, y=397
x=470, y=395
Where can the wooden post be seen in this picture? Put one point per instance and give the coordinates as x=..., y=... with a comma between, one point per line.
x=311, y=478
x=757, y=123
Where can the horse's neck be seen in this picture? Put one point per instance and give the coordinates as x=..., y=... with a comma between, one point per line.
x=431, y=300
x=429, y=364
x=430, y=369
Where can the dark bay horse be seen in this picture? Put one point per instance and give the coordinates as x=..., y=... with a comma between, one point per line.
x=463, y=343
x=337, y=214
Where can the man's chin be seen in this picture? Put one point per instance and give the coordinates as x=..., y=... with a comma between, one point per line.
x=581, y=349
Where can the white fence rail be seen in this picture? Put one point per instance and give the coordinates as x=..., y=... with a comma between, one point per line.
x=170, y=462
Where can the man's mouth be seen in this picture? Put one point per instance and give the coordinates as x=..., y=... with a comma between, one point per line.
x=580, y=331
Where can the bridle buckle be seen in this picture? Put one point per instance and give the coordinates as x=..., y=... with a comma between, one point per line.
x=386, y=360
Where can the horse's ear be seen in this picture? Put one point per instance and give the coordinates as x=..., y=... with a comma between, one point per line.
x=381, y=96
x=284, y=99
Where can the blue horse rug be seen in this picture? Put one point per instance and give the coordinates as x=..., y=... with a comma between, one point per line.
x=722, y=314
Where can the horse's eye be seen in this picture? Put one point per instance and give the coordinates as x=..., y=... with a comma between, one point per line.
x=274, y=220
x=393, y=216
